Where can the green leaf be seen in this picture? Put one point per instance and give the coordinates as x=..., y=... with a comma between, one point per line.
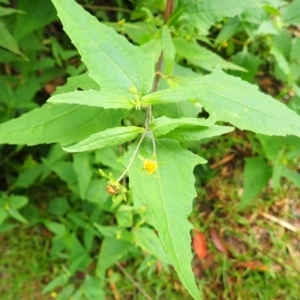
x=63, y=123
x=107, y=138
x=37, y=15
x=234, y=101
x=56, y=228
x=65, y=171
x=17, y=202
x=112, y=250
x=202, y=57
x=3, y=215
x=282, y=62
x=8, y=42
x=58, y=206
x=168, y=50
x=80, y=263
x=191, y=133
x=84, y=172
x=168, y=195
x=256, y=175
x=5, y=11
x=124, y=216
x=82, y=81
x=92, y=288
x=177, y=110
x=17, y=216
x=28, y=177
x=291, y=13
x=248, y=61
x=203, y=14
x=148, y=240
x=293, y=176
x=161, y=126
x=112, y=61
x=94, y=98
x=57, y=281
x=228, y=30
x=138, y=32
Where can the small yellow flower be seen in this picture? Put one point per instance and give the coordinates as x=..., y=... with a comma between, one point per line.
x=150, y=166
x=53, y=295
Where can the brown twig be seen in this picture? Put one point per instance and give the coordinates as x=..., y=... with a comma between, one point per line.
x=136, y=284
x=113, y=286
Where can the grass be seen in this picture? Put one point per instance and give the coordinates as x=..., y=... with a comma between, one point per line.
x=24, y=265
x=270, y=250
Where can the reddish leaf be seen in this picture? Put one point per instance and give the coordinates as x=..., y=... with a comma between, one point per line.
x=220, y=244
x=199, y=244
x=253, y=265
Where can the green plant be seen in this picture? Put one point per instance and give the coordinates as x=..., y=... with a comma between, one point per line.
x=123, y=97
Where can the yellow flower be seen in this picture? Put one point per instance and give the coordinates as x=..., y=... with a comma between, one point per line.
x=150, y=166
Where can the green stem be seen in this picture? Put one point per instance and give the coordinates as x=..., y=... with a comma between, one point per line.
x=133, y=156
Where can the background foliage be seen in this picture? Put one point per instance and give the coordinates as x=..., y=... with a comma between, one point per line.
x=54, y=204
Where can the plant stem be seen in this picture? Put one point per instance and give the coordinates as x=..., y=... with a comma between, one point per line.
x=168, y=10
x=133, y=156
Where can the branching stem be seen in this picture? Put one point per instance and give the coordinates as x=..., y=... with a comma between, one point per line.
x=168, y=11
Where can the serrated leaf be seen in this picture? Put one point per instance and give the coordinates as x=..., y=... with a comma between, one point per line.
x=57, y=123
x=112, y=61
x=107, y=138
x=191, y=133
x=163, y=125
x=202, y=57
x=82, y=81
x=234, y=101
x=168, y=50
x=168, y=195
x=94, y=98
